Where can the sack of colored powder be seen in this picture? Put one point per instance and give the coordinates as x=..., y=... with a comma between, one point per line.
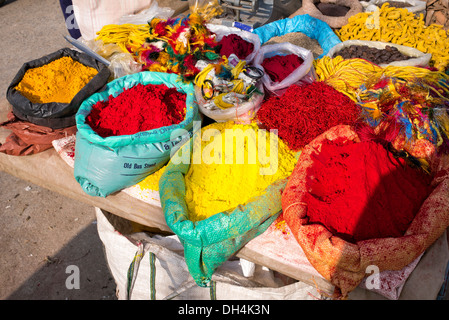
x=49, y=91
x=304, y=112
x=351, y=204
x=243, y=44
x=279, y=67
x=218, y=192
x=135, y=140
x=286, y=75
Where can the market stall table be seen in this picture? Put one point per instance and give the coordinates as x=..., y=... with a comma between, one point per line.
x=48, y=170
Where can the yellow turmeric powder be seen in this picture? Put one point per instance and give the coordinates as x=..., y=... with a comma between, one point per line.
x=58, y=81
x=152, y=181
x=238, y=163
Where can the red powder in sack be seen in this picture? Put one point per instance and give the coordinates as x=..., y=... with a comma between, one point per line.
x=280, y=67
x=140, y=108
x=235, y=44
x=304, y=112
x=359, y=191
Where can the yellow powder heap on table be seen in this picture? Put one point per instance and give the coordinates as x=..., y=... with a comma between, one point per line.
x=237, y=164
x=58, y=81
x=152, y=181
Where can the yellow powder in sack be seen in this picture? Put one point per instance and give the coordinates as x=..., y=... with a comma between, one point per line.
x=238, y=162
x=152, y=181
x=58, y=81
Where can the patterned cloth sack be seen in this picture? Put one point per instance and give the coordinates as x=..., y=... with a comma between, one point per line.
x=344, y=263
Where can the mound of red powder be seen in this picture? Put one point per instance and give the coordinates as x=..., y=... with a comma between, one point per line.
x=359, y=191
x=280, y=67
x=304, y=112
x=235, y=44
x=140, y=108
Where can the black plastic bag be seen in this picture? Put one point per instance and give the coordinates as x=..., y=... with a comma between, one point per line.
x=55, y=115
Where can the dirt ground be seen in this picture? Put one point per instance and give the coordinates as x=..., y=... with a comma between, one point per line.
x=43, y=233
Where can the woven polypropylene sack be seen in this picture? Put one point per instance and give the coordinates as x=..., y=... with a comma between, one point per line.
x=343, y=263
x=92, y=15
x=151, y=266
x=210, y=242
x=107, y=165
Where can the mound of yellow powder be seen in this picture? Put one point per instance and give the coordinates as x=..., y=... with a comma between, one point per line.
x=237, y=164
x=152, y=181
x=58, y=81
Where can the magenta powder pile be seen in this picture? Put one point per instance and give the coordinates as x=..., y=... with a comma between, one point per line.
x=235, y=44
x=280, y=67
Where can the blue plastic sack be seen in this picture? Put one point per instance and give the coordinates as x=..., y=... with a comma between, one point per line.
x=304, y=23
x=106, y=165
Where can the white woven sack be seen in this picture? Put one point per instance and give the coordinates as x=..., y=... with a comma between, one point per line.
x=153, y=267
x=417, y=57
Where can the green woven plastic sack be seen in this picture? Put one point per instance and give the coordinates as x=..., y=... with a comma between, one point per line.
x=210, y=242
x=106, y=165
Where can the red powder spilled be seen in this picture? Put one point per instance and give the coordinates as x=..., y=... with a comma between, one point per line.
x=140, y=108
x=280, y=67
x=359, y=191
x=304, y=112
x=235, y=44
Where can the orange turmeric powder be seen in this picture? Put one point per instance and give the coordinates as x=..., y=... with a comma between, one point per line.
x=58, y=81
